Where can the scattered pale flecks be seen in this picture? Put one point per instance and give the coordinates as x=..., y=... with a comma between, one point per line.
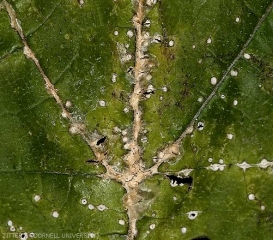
x=234, y=73
x=237, y=19
x=84, y=201
x=102, y=207
x=151, y=2
x=147, y=23
x=247, y=56
x=37, y=198
x=200, y=99
x=130, y=33
x=213, y=80
x=230, y=136
x=183, y=230
x=210, y=160
x=116, y=33
x=122, y=50
x=171, y=43
x=235, y=102
x=152, y=226
x=121, y=222
x=75, y=128
x=114, y=77
x=209, y=41
x=216, y=167
x=102, y=103
x=92, y=235
x=244, y=165
x=251, y=197
x=192, y=214
x=91, y=207
x=55, y=214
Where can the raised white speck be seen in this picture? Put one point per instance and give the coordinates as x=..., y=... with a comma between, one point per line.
x=183, y=230
x=237, y=19
x=174, y=198
x=101, y=207
x=234, y=73
x=147, y=23
x=91, y=207
x=161, y=98
x=114, y=77
x=173, y=183
x=130, y=33
x=192, y=214
x=235, y=102
x=244, y=165
x=55, y=214
x=200, y=61
x=121, y=222
x=251, y=197
x=10, y=223
x=68, y=104
x=164, y=89
x=152, y=226
x=216, y=167
x=81, y=2
x=24, y=236
x=20, y=228
x=262, y=208
x=37, y=198
x=193, y=46
x=92, y=235
x=74, y=128
x=221, y=161
x=264, y=164
x=125, y=139
x=83, y=201
x=171, y=43
x=210, y=159
x=247, y=56
x=200, y=126
x=12, y=228
x=102, y=103
x=223, y=96
x=230, y=136
x=124, y=132
x=149, y=77
x=209, y=41
x=200, y=99
x=213, y=80
x=126, y=110
x=144, y=140
x=116, y=33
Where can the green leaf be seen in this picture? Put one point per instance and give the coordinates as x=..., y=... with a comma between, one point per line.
x=136, y=119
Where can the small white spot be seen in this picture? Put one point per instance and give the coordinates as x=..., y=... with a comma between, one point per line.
x=230, y=136
x=171, y=43
x=55, y=214
x=192, y=214
x=147, y=23
x=20, y=228
x=130, y=33
x=126, y=110
x=173, y=183
x=10, y=223
x=200, y=99
x=114, y=77
x=121, y=222
x=247, y=56
x=262, y=208
x=37, y=198
x=12, y=228
x=223, y=96
x=91, y=207
x=237, y=19
x=164, y=89
x=221, y=161
x=251, y=197
x=83, y=201
x=213, y=80
x=92, y=235
x=124, y=132
x=116, y=33
x=200, y=126
x=151, y=2
x=193, y=46
x=209, y=41
x=102, y=103
x=101, y=207
x=161, y=98
x=183, y=230
x=125, y=139
x=234, y=73
x=152, y=226
x=200, y=61
x=68, y=104
x=81, y=2
x=149, y=77
x=210, y=159
x=174, y=198
x=144, y=140
x=235, y=102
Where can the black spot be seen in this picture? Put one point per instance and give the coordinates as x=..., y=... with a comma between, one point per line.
x=201, y=238
x=101, y=141
x=180, y=180
x=149, y=92
x=92, y=161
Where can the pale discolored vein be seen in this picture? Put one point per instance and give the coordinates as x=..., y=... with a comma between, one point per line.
x=172, y=150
